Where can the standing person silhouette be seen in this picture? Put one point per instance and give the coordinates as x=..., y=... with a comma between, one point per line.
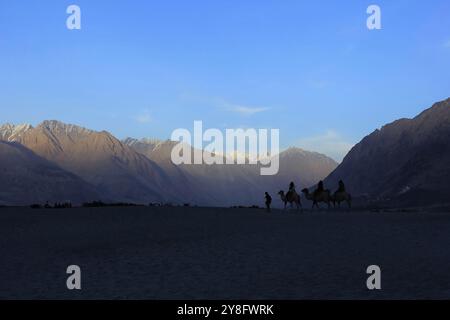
x=268, y=201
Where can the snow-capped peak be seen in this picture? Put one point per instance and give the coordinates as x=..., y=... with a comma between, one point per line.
x=10, y=132
x=61, y=127
x=148, y=142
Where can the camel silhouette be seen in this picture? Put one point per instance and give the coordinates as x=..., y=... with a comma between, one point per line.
x=340, y=196
x=319, y=196
x=291, y=197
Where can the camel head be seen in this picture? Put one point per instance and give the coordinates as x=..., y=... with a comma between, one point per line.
x=305, y=191
x=281, y=192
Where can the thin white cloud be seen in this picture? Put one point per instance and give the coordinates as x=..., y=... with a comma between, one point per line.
x=243, y=110
x=144, y=117
x=247, y=111
x=220, y=103
x=330, y=143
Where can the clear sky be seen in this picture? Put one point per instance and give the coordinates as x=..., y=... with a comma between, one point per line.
x=144, y=68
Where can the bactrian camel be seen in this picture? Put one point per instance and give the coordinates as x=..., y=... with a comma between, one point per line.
x=340, y=196
x=291, y=197
x=317, y=197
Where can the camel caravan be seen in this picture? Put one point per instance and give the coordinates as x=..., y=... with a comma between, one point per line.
x=320, y=195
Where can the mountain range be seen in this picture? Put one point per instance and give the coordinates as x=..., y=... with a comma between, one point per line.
x=404, y=163
x=98, y=166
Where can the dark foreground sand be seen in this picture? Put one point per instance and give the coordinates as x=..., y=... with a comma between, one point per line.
x=193, y=253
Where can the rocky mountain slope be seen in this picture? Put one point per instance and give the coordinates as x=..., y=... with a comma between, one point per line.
x=99, y=158
x=406, y=162
x=27, y=178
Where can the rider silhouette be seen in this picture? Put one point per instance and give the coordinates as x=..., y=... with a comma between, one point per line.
x=319, y=189
x=341, y=186
x=292, y=188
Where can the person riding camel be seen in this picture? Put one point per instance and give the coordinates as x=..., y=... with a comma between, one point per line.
x=319, y=189
x=341, y=186
x=292, y=188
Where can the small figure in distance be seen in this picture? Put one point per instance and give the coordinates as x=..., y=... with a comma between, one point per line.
x=268, y=201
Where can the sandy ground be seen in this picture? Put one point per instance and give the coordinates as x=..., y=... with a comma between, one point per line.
x=204, y=253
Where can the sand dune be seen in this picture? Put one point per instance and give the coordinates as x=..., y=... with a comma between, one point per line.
x=193, y=253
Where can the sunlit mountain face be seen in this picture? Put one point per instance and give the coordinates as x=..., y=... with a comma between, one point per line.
x=141, y=171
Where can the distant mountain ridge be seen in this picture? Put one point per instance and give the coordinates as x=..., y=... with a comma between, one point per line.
x=141, y=171
x=238, y=184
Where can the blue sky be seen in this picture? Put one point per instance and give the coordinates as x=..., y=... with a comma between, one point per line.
x=144, y=68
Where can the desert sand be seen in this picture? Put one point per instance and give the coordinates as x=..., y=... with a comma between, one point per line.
x=218, y=253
